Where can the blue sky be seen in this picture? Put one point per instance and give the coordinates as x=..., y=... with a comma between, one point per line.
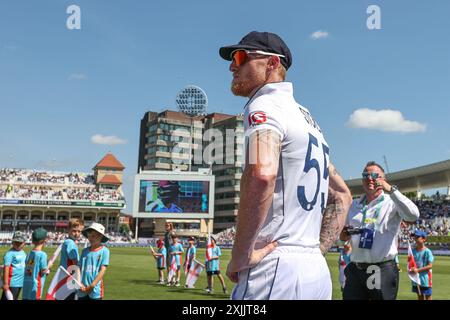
x=60, y=87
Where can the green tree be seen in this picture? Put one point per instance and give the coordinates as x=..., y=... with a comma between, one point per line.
x=124, y=229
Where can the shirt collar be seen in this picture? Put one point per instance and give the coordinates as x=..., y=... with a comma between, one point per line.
x=272, y=88
x=362, y=199
x=95, y=250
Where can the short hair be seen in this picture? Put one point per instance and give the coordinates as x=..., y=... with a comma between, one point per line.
x=75, y=222
x=282, y=72
x=373, y=163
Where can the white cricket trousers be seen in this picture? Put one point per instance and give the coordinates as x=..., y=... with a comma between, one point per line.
x=288, y=273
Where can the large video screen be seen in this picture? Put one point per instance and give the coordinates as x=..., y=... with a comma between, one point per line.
x=173, y=196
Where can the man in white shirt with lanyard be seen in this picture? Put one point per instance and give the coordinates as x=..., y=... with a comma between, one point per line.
x=293, y=203
x=373, y=226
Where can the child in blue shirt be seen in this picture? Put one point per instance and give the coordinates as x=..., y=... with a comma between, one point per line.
x=190, y=256
x=344, y=261
x=35, y=267
x=213, y=268
x=424, y=262
x=93, y=263
x=69, y=250
x=160, y=257
x=14, y=266
x=176, y=251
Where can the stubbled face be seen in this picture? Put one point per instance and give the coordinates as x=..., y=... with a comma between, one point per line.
x=369, y=184
x=75, y=232
x=248, y=76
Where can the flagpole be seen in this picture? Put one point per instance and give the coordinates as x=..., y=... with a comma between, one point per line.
x=54, y=257
x=76, y=281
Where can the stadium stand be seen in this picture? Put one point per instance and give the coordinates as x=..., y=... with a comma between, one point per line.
x=434, y=220
x=42, y=185
x=225, y=237
x=37, y=198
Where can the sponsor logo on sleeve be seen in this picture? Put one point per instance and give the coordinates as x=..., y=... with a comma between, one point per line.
x=257, y=118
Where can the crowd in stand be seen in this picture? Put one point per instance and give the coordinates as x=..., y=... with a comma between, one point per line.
x=93, y=194
x=226, y=237
x=32, y=193
x=434, y=220
x=43, y=177
x=21, y=184
x=48, y=193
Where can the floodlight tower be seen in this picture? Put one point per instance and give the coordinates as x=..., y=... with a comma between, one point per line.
x=192, y=101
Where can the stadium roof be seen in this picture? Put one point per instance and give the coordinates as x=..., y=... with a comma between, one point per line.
x=109, y=161
x=110, y=179
x=435, y=175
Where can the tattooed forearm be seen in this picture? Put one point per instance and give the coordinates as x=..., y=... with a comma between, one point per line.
x=335, y=214
x=332, y=224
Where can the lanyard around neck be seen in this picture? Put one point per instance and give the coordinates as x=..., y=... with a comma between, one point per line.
x=376, y=214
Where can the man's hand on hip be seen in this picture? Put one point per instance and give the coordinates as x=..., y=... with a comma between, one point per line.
x=255, y=258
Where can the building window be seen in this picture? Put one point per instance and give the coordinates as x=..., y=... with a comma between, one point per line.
x=227, y=195
x=152, y=139
x=225, y=219
x=226, y=207
x=153, y=128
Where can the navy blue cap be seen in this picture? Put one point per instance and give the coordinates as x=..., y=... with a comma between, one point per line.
x=420, y=233
x=264, y=41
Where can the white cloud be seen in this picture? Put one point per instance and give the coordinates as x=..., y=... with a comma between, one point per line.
x=319, y=34
x=108, y=140
x=77, y=76
x=384, y=120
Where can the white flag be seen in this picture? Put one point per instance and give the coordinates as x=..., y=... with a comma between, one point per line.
x=194, y=273
x=342, y=266
x=63, y=285
x=55, y=255
x=209, y=249
x=173, y=269
x=412, y=264
x=8, y=293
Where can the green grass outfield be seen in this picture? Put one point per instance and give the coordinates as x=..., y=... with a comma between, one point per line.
x=132, y=274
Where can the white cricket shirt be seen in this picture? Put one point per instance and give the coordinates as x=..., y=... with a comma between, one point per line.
x=301, y=189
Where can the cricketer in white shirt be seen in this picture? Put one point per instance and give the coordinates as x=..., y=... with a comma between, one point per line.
x=296, y=269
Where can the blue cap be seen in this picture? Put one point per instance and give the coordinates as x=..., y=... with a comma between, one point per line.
x=420, y=233
x=265, y=41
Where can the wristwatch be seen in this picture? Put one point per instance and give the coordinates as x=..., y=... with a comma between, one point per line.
x=393, y=189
